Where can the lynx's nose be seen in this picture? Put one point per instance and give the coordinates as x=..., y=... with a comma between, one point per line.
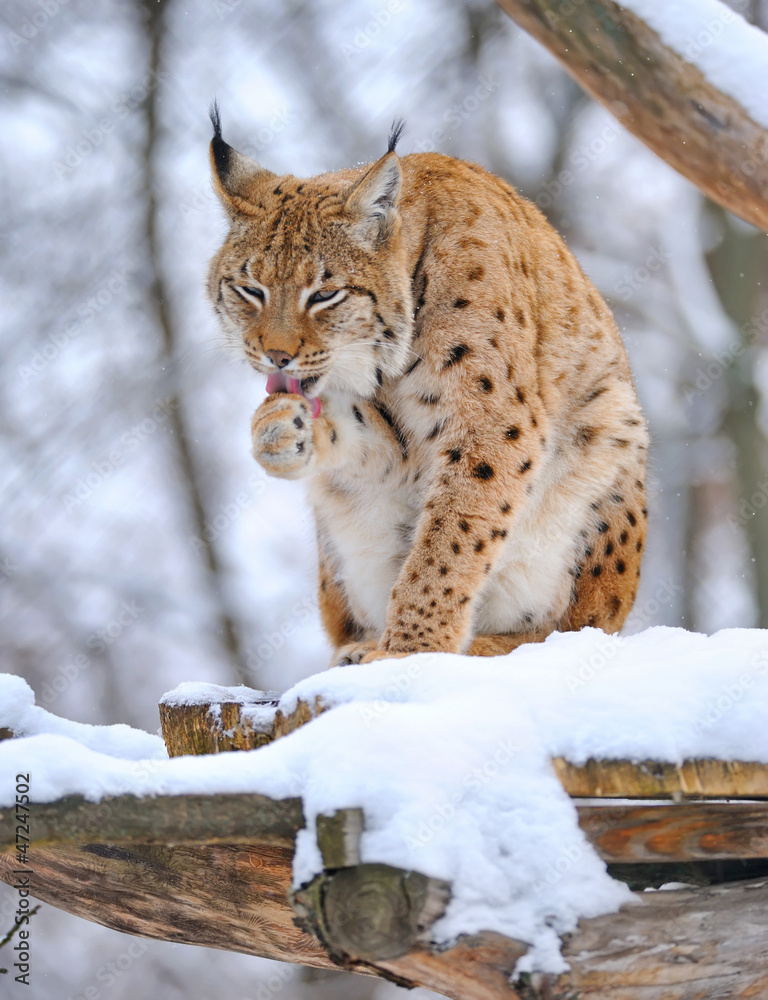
x=279, y=358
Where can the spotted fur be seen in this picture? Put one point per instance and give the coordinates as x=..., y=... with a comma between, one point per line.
x=477, y=472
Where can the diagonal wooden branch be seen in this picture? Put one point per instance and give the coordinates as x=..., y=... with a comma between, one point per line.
x=658, y=96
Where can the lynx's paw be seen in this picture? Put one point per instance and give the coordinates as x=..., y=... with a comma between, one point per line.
x=283, y=441
x=362, y=652
x=352, y=653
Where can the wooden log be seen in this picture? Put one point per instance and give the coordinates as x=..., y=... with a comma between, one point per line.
x=683, y=945
x=230, y=896
x=700, y=778
x=365, y=912
x=162, y=819
x=370, y=912
x=707, y=943
x=215, y=727
x=658, y=96
x=631, y=833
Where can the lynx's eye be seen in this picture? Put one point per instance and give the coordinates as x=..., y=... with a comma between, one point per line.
x=323, y=295
x=250, y=294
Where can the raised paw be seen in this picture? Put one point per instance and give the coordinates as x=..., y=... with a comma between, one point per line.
x=283, y=441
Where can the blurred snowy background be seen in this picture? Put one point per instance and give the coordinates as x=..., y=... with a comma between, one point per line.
x=140, y=545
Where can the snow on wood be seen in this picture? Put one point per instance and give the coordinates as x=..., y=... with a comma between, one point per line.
x=731, y=53
x=675, y=945
x=448, y=758
x=687, y=77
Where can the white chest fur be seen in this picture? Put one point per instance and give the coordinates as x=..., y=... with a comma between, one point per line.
x=368, y=529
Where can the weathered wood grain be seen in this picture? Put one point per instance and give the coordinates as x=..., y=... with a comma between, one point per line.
x=703, y=944
x=658, y=96
x=162, y=819
x=696, y=831
x=214, y=727
x=702, y=778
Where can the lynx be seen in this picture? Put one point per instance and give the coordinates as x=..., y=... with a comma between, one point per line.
x=453, y=389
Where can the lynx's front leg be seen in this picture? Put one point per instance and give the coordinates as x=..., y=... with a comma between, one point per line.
x=479, y=482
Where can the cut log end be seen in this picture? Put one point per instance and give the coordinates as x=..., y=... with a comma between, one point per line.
x=217, y=727
x=370, y=912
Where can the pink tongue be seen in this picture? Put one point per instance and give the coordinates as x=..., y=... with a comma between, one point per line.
x=277, y=382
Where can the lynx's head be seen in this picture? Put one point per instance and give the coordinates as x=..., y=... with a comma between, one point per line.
x=312, y=278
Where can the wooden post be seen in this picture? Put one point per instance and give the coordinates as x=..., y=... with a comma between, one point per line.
x=215, y=727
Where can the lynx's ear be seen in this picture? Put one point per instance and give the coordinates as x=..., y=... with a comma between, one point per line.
x=372, y=202
x=237, y=179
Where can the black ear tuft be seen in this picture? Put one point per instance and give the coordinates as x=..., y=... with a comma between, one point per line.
x=221, y=151
x=398, y=126
x=215, y=114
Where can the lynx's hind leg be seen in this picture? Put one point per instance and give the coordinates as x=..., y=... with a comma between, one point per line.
x=607, y=574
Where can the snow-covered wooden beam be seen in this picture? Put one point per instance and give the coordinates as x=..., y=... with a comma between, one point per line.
x=685, y=78
x=216, y=870
x=212, y=728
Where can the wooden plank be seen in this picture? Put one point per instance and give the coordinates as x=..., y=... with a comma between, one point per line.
x=697, y=831
x=629, y=832
x=162, y=819
x=660, y=97
x=652, y=779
